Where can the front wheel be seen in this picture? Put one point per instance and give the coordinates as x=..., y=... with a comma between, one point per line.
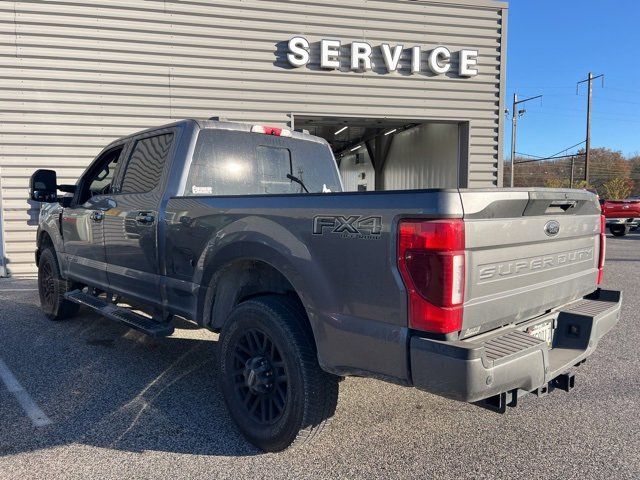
x=269, y=374
x=52, y=287
x=619, y=230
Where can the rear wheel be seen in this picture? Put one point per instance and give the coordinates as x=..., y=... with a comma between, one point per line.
x=269, y=374
x=619, y=230
x=52, y=287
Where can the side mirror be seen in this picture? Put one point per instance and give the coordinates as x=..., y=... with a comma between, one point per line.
x=43, y=186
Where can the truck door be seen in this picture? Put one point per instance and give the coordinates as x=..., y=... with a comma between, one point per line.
x=130, y=227
x=82, y=221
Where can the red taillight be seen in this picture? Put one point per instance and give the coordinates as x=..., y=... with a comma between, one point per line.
x=431, y=261
x=603, y=248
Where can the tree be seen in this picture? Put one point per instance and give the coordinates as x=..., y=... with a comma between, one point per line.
x=617, y=188
x=606, y=164
x=634, y=162
x=555, y=182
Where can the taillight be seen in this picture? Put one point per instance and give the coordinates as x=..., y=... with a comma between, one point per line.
x=603, y=248
x=275, y=131
x=431, y=261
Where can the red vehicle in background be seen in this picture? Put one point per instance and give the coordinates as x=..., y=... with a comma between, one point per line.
x=621, y=215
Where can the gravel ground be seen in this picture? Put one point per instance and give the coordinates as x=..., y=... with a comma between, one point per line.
x=124, y=405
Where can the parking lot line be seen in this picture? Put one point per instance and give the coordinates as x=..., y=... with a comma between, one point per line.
x=37, y=416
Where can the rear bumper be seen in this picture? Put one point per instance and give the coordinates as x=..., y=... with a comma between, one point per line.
x=510, y=359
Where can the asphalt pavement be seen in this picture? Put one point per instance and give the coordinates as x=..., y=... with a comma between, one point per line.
x=114, y=403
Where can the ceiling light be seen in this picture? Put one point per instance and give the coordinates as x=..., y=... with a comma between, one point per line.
x=390, y=132
x=356, y=148
x=341, y=130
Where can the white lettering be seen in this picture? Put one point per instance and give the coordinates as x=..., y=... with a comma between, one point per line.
x=415, y=59
x=298, y=55
x=439, y=60
x=391, y=60
x=360, y=52
x=329, y=54
x=468, y=59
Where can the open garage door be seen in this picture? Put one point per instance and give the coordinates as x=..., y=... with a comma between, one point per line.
x=394, y=154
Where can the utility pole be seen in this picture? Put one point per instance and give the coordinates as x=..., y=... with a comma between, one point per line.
x=573, y=163
x=514, y=128
x=589, y=81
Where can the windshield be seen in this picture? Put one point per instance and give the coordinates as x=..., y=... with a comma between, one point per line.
x=240, y=163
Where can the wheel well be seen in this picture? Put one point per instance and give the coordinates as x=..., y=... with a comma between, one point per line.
x=44, y=241
x=241, y=281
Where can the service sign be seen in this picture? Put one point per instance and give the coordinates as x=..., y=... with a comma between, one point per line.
x=438, y=59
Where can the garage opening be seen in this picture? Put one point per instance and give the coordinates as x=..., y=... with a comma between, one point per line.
x=394, y=154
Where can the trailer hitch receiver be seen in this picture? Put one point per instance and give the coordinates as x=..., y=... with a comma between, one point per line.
x=566, y=381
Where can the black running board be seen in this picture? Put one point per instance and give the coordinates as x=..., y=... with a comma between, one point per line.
x=121, y=314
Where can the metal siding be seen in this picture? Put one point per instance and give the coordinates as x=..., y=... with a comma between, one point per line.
x=423, y=157
x=75, y=75
x=350, y=172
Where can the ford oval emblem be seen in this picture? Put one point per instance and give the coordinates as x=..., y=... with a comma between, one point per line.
x=552, y=227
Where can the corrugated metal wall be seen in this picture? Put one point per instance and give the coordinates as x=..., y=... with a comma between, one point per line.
x=76, y=74
x=423, y=157
x=351, y=172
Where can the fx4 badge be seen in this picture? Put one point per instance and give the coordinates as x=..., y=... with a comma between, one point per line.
x=352, y=226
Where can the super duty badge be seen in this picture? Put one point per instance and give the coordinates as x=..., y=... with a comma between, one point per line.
x=352, y=226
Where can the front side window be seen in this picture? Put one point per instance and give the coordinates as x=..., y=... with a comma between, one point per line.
x=98, y=179
x=240, y=163
x=100, y=182
x=146, y=164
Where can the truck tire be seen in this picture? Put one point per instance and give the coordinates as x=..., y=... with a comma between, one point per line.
x=619, y=230
x=269, y=374
x=52, y=287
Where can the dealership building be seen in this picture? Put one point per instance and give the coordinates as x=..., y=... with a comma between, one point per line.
x=409, y=93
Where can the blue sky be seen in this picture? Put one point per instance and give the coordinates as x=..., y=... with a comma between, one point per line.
x=554, y=44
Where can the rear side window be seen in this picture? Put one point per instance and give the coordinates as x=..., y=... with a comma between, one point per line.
x=240, y=163
x=146, y=164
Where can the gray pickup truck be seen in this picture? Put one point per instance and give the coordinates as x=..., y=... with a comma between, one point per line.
x=476, y=295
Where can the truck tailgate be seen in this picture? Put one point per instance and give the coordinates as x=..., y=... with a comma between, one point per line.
x=528, y=251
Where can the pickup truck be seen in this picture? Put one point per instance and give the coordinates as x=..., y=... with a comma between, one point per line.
x=477, y=295
x=621, y=215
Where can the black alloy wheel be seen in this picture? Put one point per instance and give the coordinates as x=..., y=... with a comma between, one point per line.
x=52, y=287
x=46, y=286
x=260, y=377
x=269, y=375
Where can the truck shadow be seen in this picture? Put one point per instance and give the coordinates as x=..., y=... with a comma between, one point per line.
x=105, y=385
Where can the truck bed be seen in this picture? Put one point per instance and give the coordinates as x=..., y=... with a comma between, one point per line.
x=345, y=269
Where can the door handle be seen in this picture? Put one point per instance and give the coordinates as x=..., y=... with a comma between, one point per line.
x=97, y=216
x=144, y=217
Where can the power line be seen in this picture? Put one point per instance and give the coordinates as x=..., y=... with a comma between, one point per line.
x=568, y=148
x=528, y=155
x=550, y=158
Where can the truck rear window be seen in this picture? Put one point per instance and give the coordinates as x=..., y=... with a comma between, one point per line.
x=241, y=163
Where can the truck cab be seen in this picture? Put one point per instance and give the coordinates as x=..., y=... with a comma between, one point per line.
x=478, y=295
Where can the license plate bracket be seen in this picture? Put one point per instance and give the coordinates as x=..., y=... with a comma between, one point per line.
x=542, y=331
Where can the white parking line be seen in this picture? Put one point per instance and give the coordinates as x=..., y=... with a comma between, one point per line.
x=37, y=416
